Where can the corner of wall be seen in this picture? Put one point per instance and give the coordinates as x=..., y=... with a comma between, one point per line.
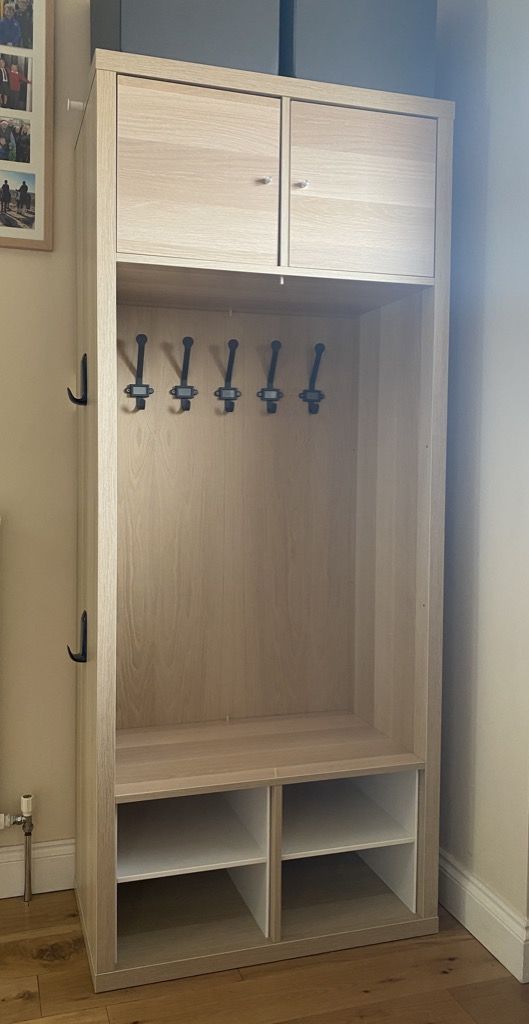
x=499, y=928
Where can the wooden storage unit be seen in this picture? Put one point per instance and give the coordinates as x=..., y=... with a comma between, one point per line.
x=258, y=715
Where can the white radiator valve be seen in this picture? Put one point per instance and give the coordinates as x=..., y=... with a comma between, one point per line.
x=24, y=818
x=26, y=803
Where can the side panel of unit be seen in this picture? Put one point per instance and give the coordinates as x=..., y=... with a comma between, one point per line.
x=430, y=541
x=95, y=869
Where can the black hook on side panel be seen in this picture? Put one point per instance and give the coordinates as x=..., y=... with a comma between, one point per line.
x=83, y=400
x=228, y=394
x=311, y=395
x=184, y=391
x=270, y=394
x=81, y=656
x=139, y=390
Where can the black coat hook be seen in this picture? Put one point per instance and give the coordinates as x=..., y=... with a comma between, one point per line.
x=183, y=390
x=139, y=390
x=311, y=395
x=83, y=400
x=270, y=394
x=81, y=656
x=228, y=394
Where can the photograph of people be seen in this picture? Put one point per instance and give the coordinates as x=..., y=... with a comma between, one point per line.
x=16, y=23
x=4, y=83
x=17, y=200
x=16, y=92
x=15, y=140
x=10, y=30
x=24, y=16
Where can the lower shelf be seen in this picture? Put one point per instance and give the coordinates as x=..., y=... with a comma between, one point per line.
x=182, y=916
x=338, y=893
x=204, y=914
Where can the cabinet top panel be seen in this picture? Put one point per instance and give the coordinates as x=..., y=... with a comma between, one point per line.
x=161, y=762
x=270, y=85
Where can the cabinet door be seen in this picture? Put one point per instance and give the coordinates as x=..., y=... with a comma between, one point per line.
x=198, y=173
x=362, y=190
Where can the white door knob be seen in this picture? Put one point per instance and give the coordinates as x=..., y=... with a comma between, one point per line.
x=303, y=184
x=267, y=180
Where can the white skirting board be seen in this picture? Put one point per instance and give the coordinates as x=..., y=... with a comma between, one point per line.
x=53, y=867
x=485, y=915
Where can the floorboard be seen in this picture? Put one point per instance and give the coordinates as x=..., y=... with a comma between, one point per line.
x=442, y=979
x=495, y=1001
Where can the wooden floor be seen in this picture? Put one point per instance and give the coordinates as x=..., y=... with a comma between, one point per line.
x=444, y=979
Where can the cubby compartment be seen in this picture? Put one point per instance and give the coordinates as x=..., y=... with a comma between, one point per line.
x=363, y=813
x=193, y=875
x=349, y=852
x=340, y=893
x=189, y=834
x=187, y=916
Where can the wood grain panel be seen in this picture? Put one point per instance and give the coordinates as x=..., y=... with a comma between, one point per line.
x=433, y=418
x=223, y=755
x=95, y=871
x=235, y=540
x=268, y=85
x=395, y=569
x=370, y=200
x=191, y=164
x=392, y=436
x=178, y=287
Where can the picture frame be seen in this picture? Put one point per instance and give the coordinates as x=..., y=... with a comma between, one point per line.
x=26, y=124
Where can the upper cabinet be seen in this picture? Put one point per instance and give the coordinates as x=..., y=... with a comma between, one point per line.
x=362, y=192
x=197, y=173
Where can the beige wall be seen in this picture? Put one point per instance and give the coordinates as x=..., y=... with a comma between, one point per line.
x=37, y=485
x=484, y=66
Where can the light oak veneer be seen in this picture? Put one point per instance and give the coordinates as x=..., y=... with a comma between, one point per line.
x=264, y=593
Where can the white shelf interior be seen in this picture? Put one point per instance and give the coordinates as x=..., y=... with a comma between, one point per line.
x=189, y=915
x=342, y=893
x=157, y=838
x=349, y=814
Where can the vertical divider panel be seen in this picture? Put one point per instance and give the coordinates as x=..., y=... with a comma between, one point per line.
x=252, y=807
x=396, y=865
x=396, y=794
x=276, y=828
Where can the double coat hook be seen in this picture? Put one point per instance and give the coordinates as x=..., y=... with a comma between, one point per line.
x=139, y=390
x=312, y=395
x=270, y=394
x=228, y=394
x=184, y=391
